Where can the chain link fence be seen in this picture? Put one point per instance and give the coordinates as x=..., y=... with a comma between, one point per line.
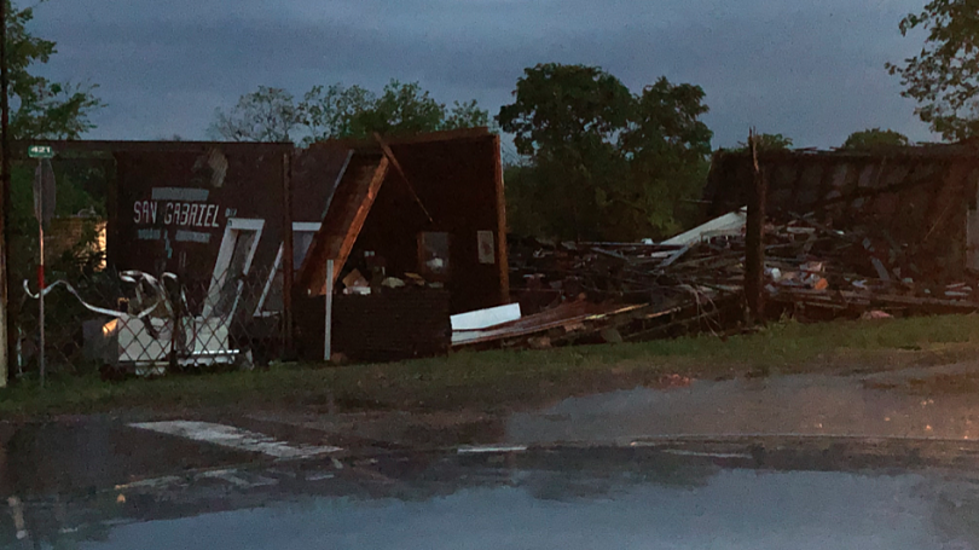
x=124, y=323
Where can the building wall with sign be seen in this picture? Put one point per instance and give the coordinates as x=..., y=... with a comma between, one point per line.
x=171, y=209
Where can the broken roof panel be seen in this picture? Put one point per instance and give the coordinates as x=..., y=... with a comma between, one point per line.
x=345, y=215
x=731, y=223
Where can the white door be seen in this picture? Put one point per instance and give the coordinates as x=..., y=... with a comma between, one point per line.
x=271, y=300
x=241, y=238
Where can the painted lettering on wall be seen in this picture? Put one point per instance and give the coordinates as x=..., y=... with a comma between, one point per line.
x=183, y=214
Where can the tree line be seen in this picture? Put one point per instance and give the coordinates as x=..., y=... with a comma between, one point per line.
x=597, y=160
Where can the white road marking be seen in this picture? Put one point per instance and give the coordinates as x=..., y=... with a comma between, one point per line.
x=682, y=452
x=492, y=449
x=235, y=438
x=151, y=483
x=231, y=477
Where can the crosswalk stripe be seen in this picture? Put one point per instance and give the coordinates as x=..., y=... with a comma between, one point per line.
x=235, y=438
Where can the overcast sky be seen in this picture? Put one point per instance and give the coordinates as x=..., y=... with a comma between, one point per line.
x=813, y=71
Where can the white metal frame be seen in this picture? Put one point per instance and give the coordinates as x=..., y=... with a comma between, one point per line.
x=297, y=227
x=223, y=261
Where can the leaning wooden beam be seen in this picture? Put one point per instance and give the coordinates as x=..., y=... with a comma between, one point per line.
x=397, y=168
x=341, y=226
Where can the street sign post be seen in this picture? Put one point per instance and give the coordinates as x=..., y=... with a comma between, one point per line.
x=44, y=203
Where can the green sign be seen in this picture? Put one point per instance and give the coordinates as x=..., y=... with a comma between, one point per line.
x=40, y=152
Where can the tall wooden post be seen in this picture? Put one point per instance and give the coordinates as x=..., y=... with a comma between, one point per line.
x=288, y=252
x=6, y=326
x=754, y=276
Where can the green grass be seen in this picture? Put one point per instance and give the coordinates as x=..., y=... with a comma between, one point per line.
x=508, y=379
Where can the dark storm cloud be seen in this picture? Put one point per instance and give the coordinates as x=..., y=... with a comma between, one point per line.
x=811, y=71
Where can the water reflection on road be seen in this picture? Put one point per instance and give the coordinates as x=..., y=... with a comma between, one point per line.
x=573, y=499
x=900, y=472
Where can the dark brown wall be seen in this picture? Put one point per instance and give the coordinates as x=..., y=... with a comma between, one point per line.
x=388, y=326
x=314, y=175
x=458, y=184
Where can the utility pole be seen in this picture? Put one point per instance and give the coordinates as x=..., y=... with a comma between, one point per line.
x=6, y=326
x=754, y=277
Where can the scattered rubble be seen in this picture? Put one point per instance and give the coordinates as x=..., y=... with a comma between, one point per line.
x=591, y=292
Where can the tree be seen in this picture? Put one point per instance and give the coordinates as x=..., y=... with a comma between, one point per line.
x=768, y=142
x=567, y=119
x=606, y=164
x=669, y=147
x=331, y=112
x=944, y=77
x=337, y=112
x=41, y=108
x=267, y=114
x=875, y=137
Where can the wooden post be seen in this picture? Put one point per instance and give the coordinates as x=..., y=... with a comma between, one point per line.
x=40, y=287
x=328, y=314
x=6, y=323
x=502, y=260
x=754, y=276
x=288, y=276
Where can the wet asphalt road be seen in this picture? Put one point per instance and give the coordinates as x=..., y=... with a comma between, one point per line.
x=734, y=494
x=798, y=461
x=817, y=405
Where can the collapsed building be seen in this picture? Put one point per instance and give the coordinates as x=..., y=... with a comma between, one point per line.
x=389, y=249
x=888, y=231
x=229, y=242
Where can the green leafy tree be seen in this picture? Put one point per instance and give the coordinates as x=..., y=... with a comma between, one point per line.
x=337, y=112
x=401, y=109
x=669, y=147
x=267, y=114
x=332, y=112
x=944, y=77
x=41, y=108
x=768, y=142
x=875, y=137
x=466, y=114
x=606, y=164
x=567, y=119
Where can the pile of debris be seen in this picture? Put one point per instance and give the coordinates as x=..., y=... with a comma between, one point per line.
x=611, y=292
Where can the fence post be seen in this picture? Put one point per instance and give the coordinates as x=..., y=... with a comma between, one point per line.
x=177, y=330
x=328, y=313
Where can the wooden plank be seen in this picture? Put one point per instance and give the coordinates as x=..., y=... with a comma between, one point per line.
x=352, y=201
x=359, y=218
x=502, y=260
